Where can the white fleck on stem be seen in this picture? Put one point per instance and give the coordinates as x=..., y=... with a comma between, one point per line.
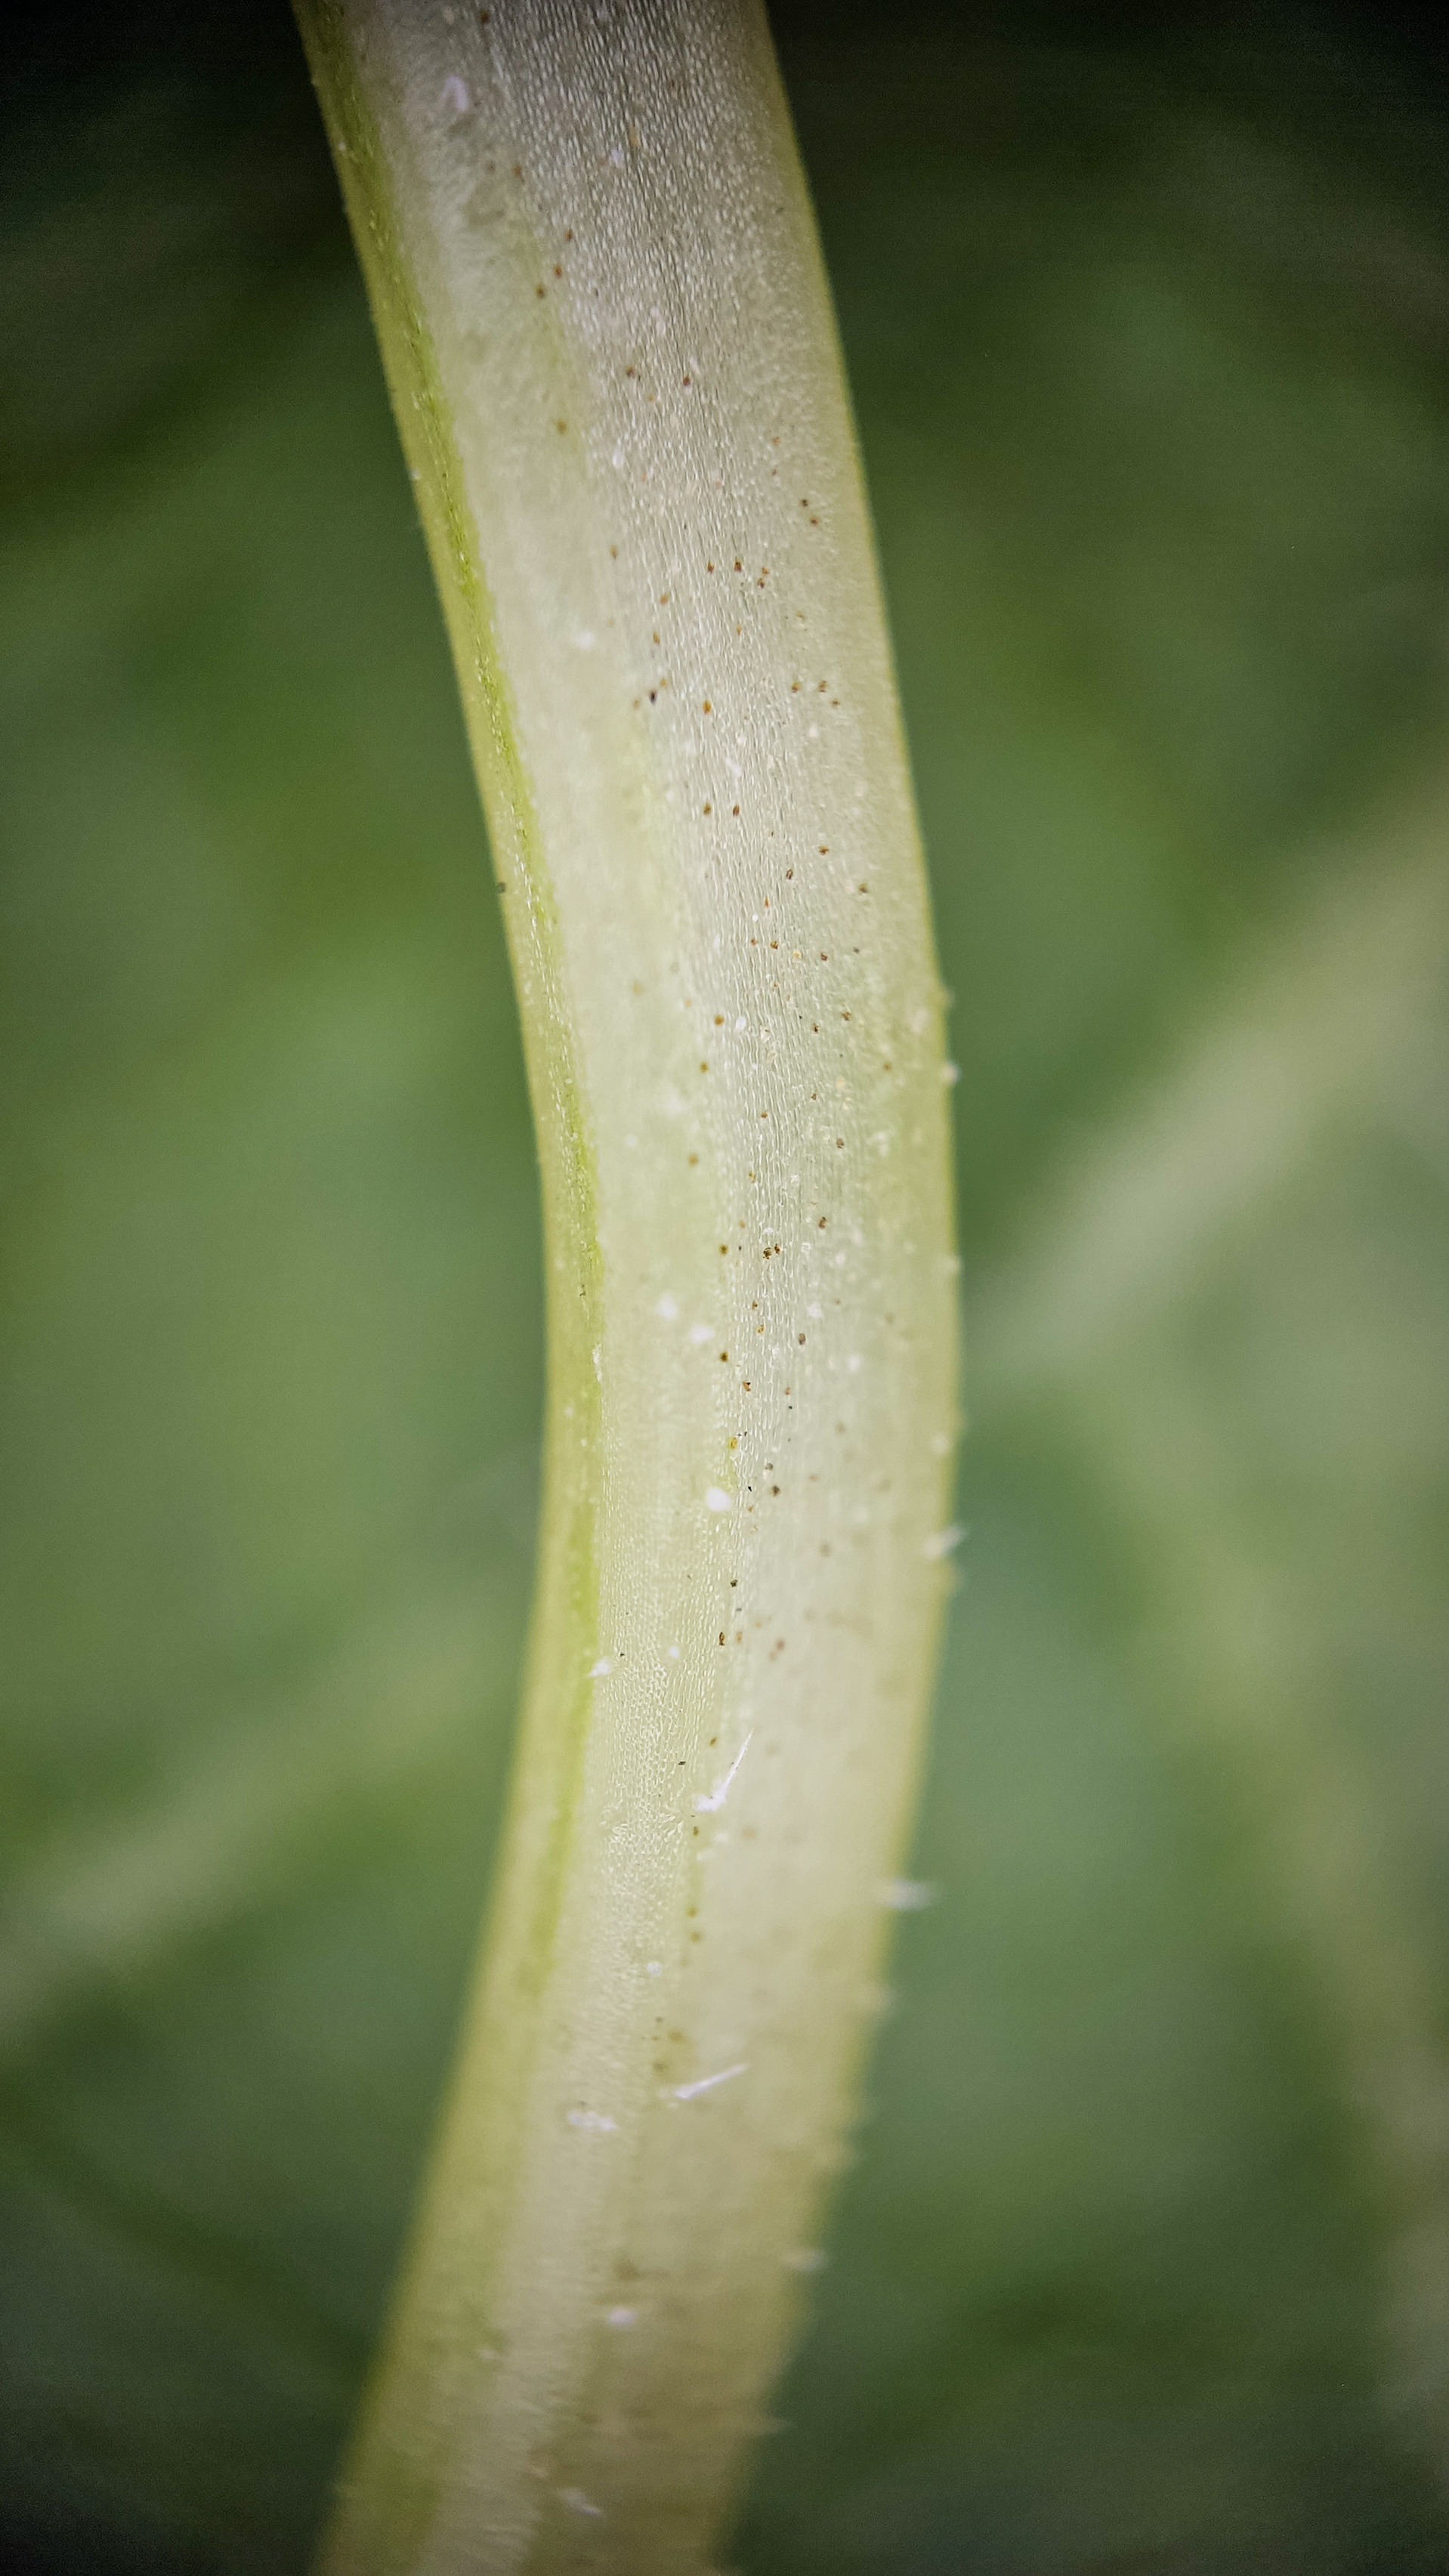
x=608, y=338
x=711, y=1805
x=707, y=2083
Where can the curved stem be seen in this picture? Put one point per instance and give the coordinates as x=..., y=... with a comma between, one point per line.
x=608, y=338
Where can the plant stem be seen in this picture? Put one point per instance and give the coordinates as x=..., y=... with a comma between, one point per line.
x=608, y=337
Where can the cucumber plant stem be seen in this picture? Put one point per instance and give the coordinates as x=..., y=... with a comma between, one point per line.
x=608, y=338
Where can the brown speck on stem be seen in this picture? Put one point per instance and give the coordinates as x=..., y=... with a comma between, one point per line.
x=706, y=809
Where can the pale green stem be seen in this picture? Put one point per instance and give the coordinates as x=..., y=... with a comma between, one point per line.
x=608, y=336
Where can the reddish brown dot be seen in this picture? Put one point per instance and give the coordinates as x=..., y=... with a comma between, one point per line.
x=719, y=1019
x=824, y=849
x=558, y=272
x=734, y=809
x=707, y=708
x=706, y=809
x=799, y=1337
x=694, y=1158
x=538, y=290
x=560, y=426
x=789, y=872
x=739, y=567
x=724, y=1355
x=664, y=599
x=685, y=380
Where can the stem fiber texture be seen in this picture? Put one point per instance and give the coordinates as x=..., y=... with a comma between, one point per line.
x=608, y=338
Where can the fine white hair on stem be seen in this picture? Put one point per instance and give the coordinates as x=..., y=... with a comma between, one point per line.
x=608, y=338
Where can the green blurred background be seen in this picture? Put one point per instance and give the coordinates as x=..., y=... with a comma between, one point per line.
x=1144, y=2265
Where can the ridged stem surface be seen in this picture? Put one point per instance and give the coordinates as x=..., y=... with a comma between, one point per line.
x=609, y=342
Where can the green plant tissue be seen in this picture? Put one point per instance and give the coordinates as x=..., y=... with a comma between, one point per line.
x=1144, y=2261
